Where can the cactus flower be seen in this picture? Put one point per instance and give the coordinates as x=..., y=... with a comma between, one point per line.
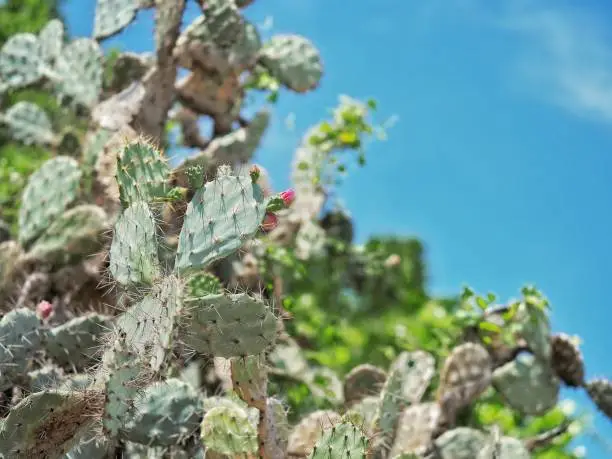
x=44, y=309
x=270, y=222
x=288, y=196
x=255, y=172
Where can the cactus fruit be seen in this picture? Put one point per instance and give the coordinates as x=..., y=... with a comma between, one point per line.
x=294, y=61
x=133, y=252
x=49, y=191
x=79, y=71
x=528, y=385
x=566, y=360
x=142, y=174
x=165, y=414
x=228, y=430
x=219, y=218
x=74, y=344
x=229, y=326
x=600, y=391
x=113, y=15
x=341, y=440
x=28, y=123
x=460, y=443
x=21, y=61
x=466, y=375
x=73, y=235
x=21, y=338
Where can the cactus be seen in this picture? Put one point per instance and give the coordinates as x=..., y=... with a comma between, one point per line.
x=113, y=15
x=51, y=39
x=79, y=71
x=219, y=218
x=49, y=191
x=566, y=360
x=341, y=440
x=133, y=252
x=21, y=61
x=416, y=428
x=228, y=430
x=28, y=123
x=460, y=443
x=600, y=391
x=505, y=448
x=293, y=61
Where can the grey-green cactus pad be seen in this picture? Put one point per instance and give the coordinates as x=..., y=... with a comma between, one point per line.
x=227, y=430
x=219, y=219
x=460, y=443
x=49, y=191
x=342, y=440
x=28, y=123
x=230, y=326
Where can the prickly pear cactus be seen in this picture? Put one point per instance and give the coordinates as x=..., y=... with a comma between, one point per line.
x=28, y=123
x=341, y=440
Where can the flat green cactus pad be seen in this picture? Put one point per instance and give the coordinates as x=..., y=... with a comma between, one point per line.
x=341, y=440
x=229, y=431
x=28, y=123
x=113, y=15
x=21, y=61
x=460, y=443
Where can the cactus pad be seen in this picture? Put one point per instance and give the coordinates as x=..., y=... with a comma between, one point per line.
x=113, y=15
x=416, y=427
x=566, y=360
x=77, y=233
x=460, y=443
x=166, y=414
x=142, y=174
x=274, y=430
x=465, y=375
x=28, y=123
x=528, y=385
x=219, y=218
x=20, y=338
x=250, y=380
x=600, y=391
x=133, y=252
x=79, y=69
x=75, y=343
x=294, y=61
x=341, y=440
x=223, y=22
x=49, y=191
x=505, y=448
x=21, y=61
x=45, y=424
x=230, y=326
x=305, y=435
x=229, y=431
x=47, y=377
x=51, y=39
x=531, y=322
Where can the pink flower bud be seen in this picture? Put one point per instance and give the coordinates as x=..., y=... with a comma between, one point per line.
x=44, y=309
x=270, y=222
x=255, y=172
x=288, y=196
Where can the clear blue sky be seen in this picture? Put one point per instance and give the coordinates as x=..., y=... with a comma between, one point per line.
x=502, y=157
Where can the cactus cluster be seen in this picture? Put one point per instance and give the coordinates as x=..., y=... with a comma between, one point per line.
x=150, y=310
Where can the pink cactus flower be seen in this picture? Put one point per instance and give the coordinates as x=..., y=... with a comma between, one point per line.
x=44, y=309
x=288, y=196
x=270, y=222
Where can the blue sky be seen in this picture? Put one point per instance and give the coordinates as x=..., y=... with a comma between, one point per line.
x=501, y=160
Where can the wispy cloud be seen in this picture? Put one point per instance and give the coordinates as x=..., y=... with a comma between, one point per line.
x=565, y=53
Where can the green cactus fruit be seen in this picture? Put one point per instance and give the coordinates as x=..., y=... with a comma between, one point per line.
x=202, y=284
x=528, y=385
x=566, y=360
x=505, y=448
x=273, y=430
x=460, y=443
x=307, y=433
x=166, y=414
x=229, y=326
x=51, y=39
x=20, y=338
x=46, y=424
x=47, y=377
x=250, y=380
x=341, y=440
x=122, y=380
x=21, y=61
x=466, y=374
x=294, y=61
x=112, y=16
x=600, y=391
x=219, y=218
x=47, y=195
x=133, y=252
x=229, y=431
x=74, y=344
x=79, y=71
x=76, y=234
x=142, y=174
x=150, y=326
x=28, y=123
x=416, y=427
